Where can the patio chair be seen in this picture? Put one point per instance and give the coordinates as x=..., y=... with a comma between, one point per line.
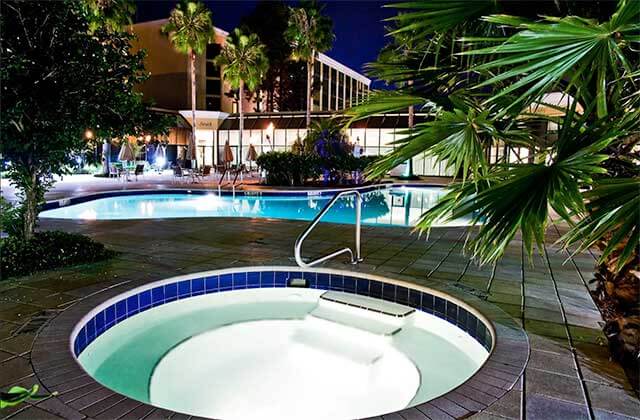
x=236, y=171
x=222, y=170
x=113, y=171
x=139, y=170
x=177, y=173
x=206, y=171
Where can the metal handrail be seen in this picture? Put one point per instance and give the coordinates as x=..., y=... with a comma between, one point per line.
x=355, y=257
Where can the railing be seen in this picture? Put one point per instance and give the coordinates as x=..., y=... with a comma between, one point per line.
x=355, y=256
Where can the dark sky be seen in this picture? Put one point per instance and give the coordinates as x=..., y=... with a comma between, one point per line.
x=357, y=24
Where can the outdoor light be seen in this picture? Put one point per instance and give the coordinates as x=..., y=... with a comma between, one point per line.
x=88, y=134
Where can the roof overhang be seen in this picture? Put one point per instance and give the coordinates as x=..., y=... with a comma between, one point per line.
x=205, y=120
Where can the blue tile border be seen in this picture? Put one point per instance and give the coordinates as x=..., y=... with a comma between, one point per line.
x=157, y=295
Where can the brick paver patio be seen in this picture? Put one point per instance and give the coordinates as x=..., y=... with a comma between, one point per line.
x=568, y=376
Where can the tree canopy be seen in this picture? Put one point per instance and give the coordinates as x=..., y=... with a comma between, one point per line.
x=190, y=27
x=284, y=82
x=309, y=31
x=243, y=59
x=482, y=73
x=59, y=78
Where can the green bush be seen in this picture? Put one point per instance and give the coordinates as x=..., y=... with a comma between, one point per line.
x=47, y=250
x=10, y=218
x=294, y=168
x=288, y=168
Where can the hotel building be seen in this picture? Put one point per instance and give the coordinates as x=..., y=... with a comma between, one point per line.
x=337, y=87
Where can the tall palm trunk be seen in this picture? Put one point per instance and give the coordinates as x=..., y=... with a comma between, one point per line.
x=241, y=111
x=310, y=63
x=409, y=172
x=192, y=145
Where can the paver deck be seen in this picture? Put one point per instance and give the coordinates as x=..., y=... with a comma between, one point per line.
x=568, y=376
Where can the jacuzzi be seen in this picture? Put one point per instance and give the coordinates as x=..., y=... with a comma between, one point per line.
x=282, y=343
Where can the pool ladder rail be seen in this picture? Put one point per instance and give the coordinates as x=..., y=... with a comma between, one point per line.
x=355, y=254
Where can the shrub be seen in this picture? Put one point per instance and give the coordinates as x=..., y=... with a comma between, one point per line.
x=329, y=143
x=47, y=250
x=10, y=218
x=288, y=168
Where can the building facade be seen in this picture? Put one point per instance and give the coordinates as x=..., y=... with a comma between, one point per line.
x=337, y=86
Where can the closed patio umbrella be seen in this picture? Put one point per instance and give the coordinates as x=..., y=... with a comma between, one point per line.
x=228, y=154
x=252, y=155
x=126, y=152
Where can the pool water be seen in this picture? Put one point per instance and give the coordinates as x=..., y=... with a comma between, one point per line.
x=281, y=353
x=398, y=206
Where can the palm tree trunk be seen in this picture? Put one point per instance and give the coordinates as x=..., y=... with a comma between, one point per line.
x=192, y=144
x=410, y=124
x=309, y=80
x=241, y=111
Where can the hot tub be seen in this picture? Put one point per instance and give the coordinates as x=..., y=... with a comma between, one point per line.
x=282, y=343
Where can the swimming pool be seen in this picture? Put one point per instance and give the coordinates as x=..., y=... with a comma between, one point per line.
x=282, y=343
x=394, y=206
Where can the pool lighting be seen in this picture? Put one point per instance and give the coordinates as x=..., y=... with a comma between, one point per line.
x=88, y=214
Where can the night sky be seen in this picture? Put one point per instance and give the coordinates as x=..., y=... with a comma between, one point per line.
x=357, y=24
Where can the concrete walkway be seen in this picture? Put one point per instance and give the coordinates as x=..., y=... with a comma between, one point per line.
x=568, y=376
x=74, y=185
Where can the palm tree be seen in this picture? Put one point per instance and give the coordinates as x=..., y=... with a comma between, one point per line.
x=485, y=67
x=309, y=33
x=244, y=62
x=190, y=30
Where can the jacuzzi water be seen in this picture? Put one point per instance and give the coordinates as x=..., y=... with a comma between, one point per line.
x=281, y=353
x=398, y=206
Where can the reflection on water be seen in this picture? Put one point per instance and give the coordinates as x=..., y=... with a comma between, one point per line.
x=390, y=207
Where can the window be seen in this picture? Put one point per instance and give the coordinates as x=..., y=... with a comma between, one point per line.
x=340, y=92
x=317, y=84
x=213, y=50
x=349, y=86
x=334, y=86
x=213, y=87
x=212, y=70
x=325, y=87
x=213, y=103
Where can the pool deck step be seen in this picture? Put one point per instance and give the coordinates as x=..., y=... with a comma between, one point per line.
x=364, y=323
x=367, y=303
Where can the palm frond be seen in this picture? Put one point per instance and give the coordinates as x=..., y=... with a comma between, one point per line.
x=309, y=31
x=577, y=52
x=384, y=101
x=243, y=60
x=428, y=17
x=190, y=27
x=514, y=198
x=614, y=215
x=457, y=137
